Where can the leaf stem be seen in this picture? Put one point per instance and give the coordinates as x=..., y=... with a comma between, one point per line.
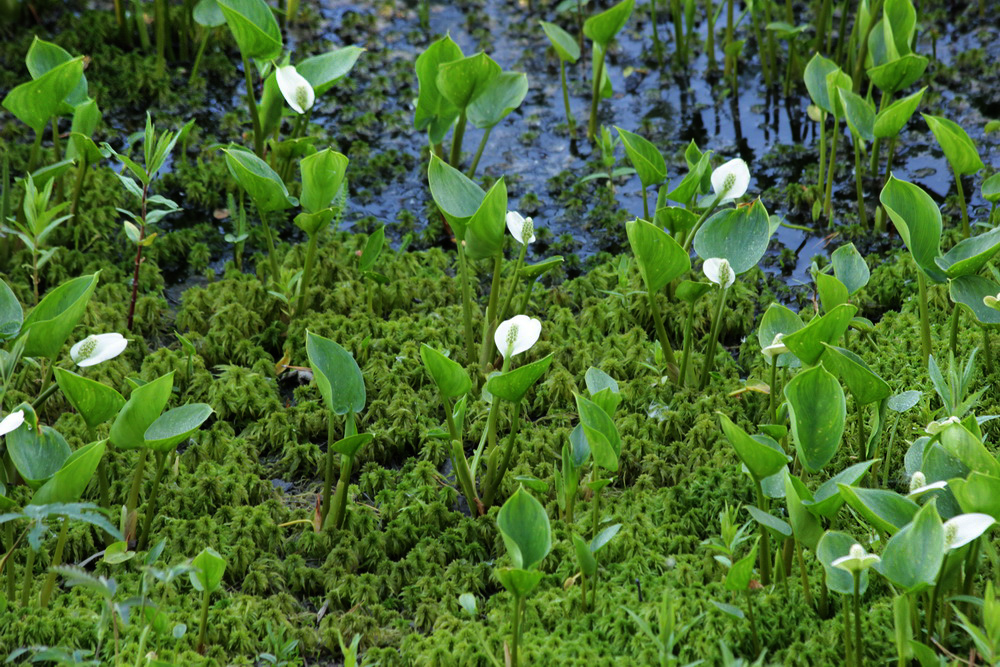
x=161, y=464
x=258, y=132
x=713, y=338
x=50, y=580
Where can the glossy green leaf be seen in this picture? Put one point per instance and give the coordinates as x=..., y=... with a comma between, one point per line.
x=519, y=582
x=918, y=220
x=584, y=556
x=372, y=250
x=739, y=575
x=140, y=411
x=457, y=197
x=11, y=313
x=498, y=99
x=463, y=80
x=827, y=500
x=835, y=80
x=37, y=451
x=817, y=410
x=850, y=267
x=96, y=402
x=69, y=483
x=448, y=375
x=434, y=112
x=602, y=28
x=898, y=74
x=806, y=527
x=977, y=493
x=645, y=157
x=762, y=459
x=322, y=176
x=175, y=426
x=777, y=527
x=886, y=510
x=86, y=118
x=539, y=269
x=890, y=121
x=815, y=75
x=484, y=233
x=970, y=255
x=565, y=44
x=970, y=450
x=738, y=234
x=859, y=113
x=323, y=71
x=50, y=323
x=254, y=28
x=865, y=385
x=207, y=14
x=912, y=558
x=807, y=342
x=261, y=183
x=350, y=445
x=602, y=434
x=970, y=290
x=513, y=385
x=42, y=57
x=779, y=319
x=832, y=292
x=337, y=375
x=35, y=102
x=525, y=529
x=834, y=545
x=209, y=568
x=991, y=189
x=956, y=144
x=660, y=258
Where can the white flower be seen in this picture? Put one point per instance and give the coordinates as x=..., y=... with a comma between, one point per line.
x=11, y=422
x=992, y=301
x=97, y=348
x=857, y=560
x=520, y=228
x=936, y=427
x=919, y=485
x=517, y=335
x=962, y=529
x=719, y=272
x=294, y=87
x=776, y=347
x=731, y=180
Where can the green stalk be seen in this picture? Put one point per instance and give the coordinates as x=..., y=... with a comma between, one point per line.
x=925, y=324
x=676, y=15
x=710, y=37
x=657, y=46
x=682, y=376
x=712, y=339
x=102, y=472
x=955, y=316
x=456, y=141
x=140, y=23
x=339, y=507
x=9, y=539
x=753, y=623
x=689, y=238
x=258, y=133
x=28, y=579
x=205, y=32
x=595, y=99
x=133, y=494
x=822, y=151
x=876, y=144
x=516, y=640
x=888, y=451
x=331, y=438
x=661, y=332
x=36, y=148
x=459, y=462
x=508, y=452
x=859, y=64
x=161, y=464
x=772, y=410
x=862, y=440
x=804, y=574
x=50, y=581
x=272, y=255
x=828, y=205
x=160, y=18
x=765, y=538
x=570, y=121
x=728, y=61
x=987, y=349
x=479, y=150
x=645, y=203
x=463, y=264
x=966, y=231
x=489, y=322
x=307, y=276
x=511, y=287
x=862, y=213
x=81, y=175
x=204, y=621
x=848, y=644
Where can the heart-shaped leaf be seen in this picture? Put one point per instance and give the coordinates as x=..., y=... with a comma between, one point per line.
x=448, y=375
x=525, y=529
x=326, y=69
x=761, y=455
x=337, y=375
x=140, y=411
x=912, y=558
x=660, y=258
x=817, y=410
x=69, y=483
x=254, y=28
x=50, y=323
x=739, y=235
x=175, y=426
x=96, y=402
x=513, y=385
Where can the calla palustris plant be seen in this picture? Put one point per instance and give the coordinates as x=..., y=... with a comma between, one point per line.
x=206, y=577
x=822, y=78
x=587, y=560
x=524, y=527
x=962, y=156
x=605, y=448
x=648, y=162
x=343, y=390
x=568, y=51
x=601, y=30
x=860, y=116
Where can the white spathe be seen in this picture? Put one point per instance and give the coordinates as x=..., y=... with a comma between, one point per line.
x=97, y=348
x=295, y=88
x=517, y=335
x=776, y=347
x=731, y=180
x=521, y=227
x=919, y=485
x=719, y=272
x=936, y=427
x=962, y=529
x=11, y=422
x=857, y=560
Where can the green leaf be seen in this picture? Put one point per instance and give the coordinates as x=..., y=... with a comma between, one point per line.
x=35, y=102
x=977, y=493
x=11, y=313
x=498, y=99
x=806, y=527
x=970, y=450
x=970, y=290
x=326, y=69
x=37, y=451
x=737, y=234
x=860, y=114
x=834, y=80
x=42, y=57
x=690, y=291
x=739, y=575
x=207, y=14
x=779, y=319
x=350, y=445
x=69, y=483
x=807, y=342
x=898, y=74
x=175, y=426
x=850, y=267
x=463, y=80
x=956, y=144
x=513, y=385
x=991, y=188
x=762, y=459
x=815, y=75
x=832, y=292
x=484, y=234
x=918, y=220
x=337, y=375
x=584, y=556
x=645, y=157
x=448, y=375
x=602, y=434
x=834, y=545
x=603, y=389
x=96, y=402
x=322, y=176
x=434, y=113
x=209, y=568
x=694, y=181
x=373, y=248
x=602, y=28
x=519, y=582
x=261, y=183
x=525, y=529
x=254, y=28
x=140, y=411
x=865, y=385
x=886, y=510
x=970, y=255
x=534, y=271
x=817, y=410
x=777, y=527
x=660, y=258
x=457, y=197
x=912, y=558
x=890, y=121
x=51, y=322
x=565, y=45
x=827, y=500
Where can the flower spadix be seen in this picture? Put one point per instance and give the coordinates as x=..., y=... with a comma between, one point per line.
x=919, y=485
x=776, y=347
x=731, y=180
x=11, y=422
x=962, y=529
x=857, y=560
x=295, y=88
x=937, y=426
x=992, y=301
x=521, y=228
x=719, y=272
x=97, y=348
x=517, y=335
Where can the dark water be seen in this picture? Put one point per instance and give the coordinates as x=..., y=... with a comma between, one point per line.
x=668, y=107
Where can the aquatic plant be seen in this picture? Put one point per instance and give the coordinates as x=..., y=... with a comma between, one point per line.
x=568, y=51
x=601, y=29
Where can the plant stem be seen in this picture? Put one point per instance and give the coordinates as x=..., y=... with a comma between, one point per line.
x=28, y=579
x=765, y=537
x=862, y=443
x=804, y=574
x=133, y=494
x=753, y=624
x=204, y=621
x=710, y=36
x=81, y=175
x=596, y=89
x=862, y=213
x=161, y=464
x=516, y=635
x=966, y=231
x=657, y=46
x=570, y=121
x=676, y=14
x=955, y=316
x=828, y=205
x=205, y=32
x=689, y=238
x=512, y=286
x=463, y=265
x=848, y=644
x=489, y=322
x=102, y=472
x=272, y=255
x=888, y=451
x=822, y=152
x=9, y=540
x=50, y=581
x=858, y=643
x=460, y=463
x=307, y=276
x=728, y=64
x=682, y=376
x=515, y=425
x=987, y=349
x=713, y=338
x=328, y=476
x=479, y=151
x=339, y=507
x=859, y=64
x=456, y=141
x=258, y=133
x=925, y=325
x=661, y=333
